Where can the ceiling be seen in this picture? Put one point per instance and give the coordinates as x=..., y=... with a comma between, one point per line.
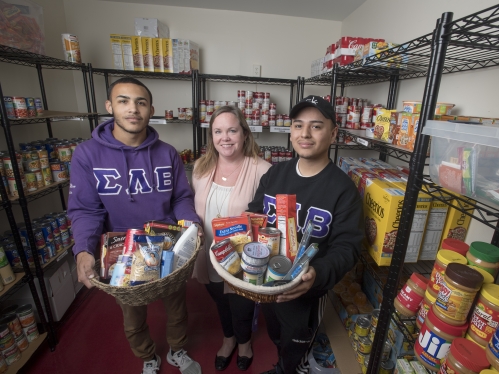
x=333, y=10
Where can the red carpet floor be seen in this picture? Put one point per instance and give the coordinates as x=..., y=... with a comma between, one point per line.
x=92, y=341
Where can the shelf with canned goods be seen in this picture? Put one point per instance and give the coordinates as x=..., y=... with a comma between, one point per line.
x=11, y=288
x=41, y=192
x=51, y=115
x=21, y=57
x=52, y=261
x=26, y=354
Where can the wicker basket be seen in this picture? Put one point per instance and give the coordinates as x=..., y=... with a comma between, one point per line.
x=260, y=294
x=149, y=292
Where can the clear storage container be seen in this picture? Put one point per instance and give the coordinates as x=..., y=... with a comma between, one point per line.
x=464, y=158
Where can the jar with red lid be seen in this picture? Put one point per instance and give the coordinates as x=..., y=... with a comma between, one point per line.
x=465, y=357
x=455, y=245
x=434, y=340
x=411, y=295
x=426, y=305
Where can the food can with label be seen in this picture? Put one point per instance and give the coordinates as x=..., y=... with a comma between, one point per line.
x=364, y=345
x=286, y=121
x=66, y=239
x=253, y=269
x=12, y=354
x=181, y=113
x=71, y=48
x=31, y=332
x=6, y=337
x=64, y=152
x=278, y=267
x=271, y=237
x=9, y=106
x=44, y=255
x=11, y=252
x=25, y=315
x=47, y=176
x=30, y=104
x=11, y=182
x=22, y=342
x=13, y=323
x=168, y=114
x=188, y=114
x=3, y=365
x=39, y=238
x=6, y=274
x=20, y=108
x=256, y=279
x=38, y=106
x=62, y=221
x=58, y=243
x=256, y=254
x=362, y=326
x=39, y=178
x=59, y=172
x=53, y=223
x=31, y=183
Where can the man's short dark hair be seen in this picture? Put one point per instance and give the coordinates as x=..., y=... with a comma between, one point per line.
x=127, y=80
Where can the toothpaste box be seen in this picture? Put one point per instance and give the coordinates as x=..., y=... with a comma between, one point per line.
x=127, y=50
x=147, y=51
x=286, y=223
x=116, y=51
x=158, y=55
x=138, y=55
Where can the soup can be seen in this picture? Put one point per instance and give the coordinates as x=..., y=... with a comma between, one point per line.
x=39, y=237
x=44, y=255
x=30, y=104
x=62, y=221
x=256, y=254
x=22, y=342
x=25, y=315
x=6, y=337
x=39, y=178
x=12, y=254
x=71, y=48
x=64, y=153
x=31, y=332
x=12, y=323
x=31, y=183
x=12, y=354
x=53, y=223
x=44, y=162
x=20, y=108
x=253, y=269
x=38, y=106
x=9, y=106
x=59, y=172
x=256, y=279
x=65, y=238
x=58, y=243
x=47, y=176
x=278, y=267
x=46, y=229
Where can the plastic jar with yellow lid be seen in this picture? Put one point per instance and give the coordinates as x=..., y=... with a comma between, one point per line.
x=484, y=256
x=457, y=293
x=487, y=277
x=411, y=295
x=492, y=351
x=464, y=357
x=489, y=371
x=434, y=341
x=444, y=258
x=428, y=301
x=485, y=317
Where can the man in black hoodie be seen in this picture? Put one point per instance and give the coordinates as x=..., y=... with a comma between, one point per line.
x=326, y=196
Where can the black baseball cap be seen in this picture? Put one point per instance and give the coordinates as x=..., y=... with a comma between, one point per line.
x=318, y=102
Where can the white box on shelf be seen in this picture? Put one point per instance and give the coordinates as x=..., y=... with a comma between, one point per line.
x=151, y=27
x=463, y=159
x=280, y=129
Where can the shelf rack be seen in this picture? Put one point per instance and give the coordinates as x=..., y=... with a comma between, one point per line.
x=107, y=73
x=468, y=43
x=19, y=57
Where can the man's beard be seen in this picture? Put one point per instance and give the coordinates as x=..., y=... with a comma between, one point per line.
x=126, y=130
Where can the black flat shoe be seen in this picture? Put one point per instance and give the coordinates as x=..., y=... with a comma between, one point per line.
x=221, y=362
x=243, y=362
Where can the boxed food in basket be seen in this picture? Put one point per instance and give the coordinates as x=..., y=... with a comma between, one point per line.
x=464, y=158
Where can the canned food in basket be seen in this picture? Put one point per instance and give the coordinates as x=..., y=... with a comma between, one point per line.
x=253, y=269
x=256, y=254
x=278, y=267
x=232, y=263
x=271, y=237
x=256, y=279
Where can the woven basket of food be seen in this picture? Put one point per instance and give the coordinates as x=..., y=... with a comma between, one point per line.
x=147, y=293
x=261, y=294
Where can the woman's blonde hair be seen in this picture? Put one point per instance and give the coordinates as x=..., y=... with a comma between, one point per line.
x=208, y=161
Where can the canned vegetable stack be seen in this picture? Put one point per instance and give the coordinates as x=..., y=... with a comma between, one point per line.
x=19, y=107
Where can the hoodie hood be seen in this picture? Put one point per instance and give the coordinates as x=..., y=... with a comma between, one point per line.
x=103, y=134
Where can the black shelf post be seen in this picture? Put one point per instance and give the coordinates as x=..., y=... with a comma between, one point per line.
x=87, y=98
x=434, y=76
x=44, y=96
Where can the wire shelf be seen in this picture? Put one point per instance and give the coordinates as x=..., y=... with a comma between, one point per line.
x=50, y=115
x=25, y=58
x=11, y=288
x=35, y=195
x=245, y=79
x=142, y=74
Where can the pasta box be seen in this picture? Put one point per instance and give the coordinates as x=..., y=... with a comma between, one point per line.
x=238, y=229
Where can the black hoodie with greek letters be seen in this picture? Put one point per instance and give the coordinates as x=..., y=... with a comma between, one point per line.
x=332, y=201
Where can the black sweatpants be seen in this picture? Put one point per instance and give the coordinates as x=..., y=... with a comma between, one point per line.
x=292, y=327
x=235, y=312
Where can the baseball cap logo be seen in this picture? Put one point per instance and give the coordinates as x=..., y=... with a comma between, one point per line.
x=312, y=100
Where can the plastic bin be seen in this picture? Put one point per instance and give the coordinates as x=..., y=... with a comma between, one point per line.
x=464, y=158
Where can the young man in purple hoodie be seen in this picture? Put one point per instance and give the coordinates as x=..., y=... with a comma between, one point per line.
x=121, y=178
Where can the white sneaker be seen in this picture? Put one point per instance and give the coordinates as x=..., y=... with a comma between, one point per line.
x=185, y=364
x=151, y=367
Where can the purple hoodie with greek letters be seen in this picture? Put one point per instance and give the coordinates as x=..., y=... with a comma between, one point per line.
x=115, y=187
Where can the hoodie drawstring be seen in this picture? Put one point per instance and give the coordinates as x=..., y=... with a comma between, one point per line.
x=130, y=197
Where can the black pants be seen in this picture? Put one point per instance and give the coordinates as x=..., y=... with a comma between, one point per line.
x=292, y=327
x=235, y=312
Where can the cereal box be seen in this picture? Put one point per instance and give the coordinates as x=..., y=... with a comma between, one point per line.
x=167, y=55
x=433, y=230
x=176, y=51
x=158, y=55
x=147, y=51
x=457, y=223
x=127, y=50
x=413, y=131
x=112, y=244
x=257, y=221
x=238, y=229
x=382, y=125
x=345, y=163
x=286, y=223
x=382, y=208
x=404, y=126
x=138, y=55
x=116, y=51
x=191, y=56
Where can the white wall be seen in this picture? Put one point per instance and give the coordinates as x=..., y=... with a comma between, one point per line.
x=230, y=42
x=399, y=21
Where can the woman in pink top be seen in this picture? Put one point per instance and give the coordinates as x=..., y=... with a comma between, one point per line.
x=225, y=181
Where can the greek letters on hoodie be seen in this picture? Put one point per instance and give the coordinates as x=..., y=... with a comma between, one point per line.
x=115, y=187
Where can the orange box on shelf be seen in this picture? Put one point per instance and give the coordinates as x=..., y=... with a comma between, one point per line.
x=286, y=223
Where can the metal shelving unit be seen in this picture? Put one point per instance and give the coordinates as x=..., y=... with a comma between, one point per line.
x=23, y=58
x=201, y=94
x=468, y=43
x=107, y=73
